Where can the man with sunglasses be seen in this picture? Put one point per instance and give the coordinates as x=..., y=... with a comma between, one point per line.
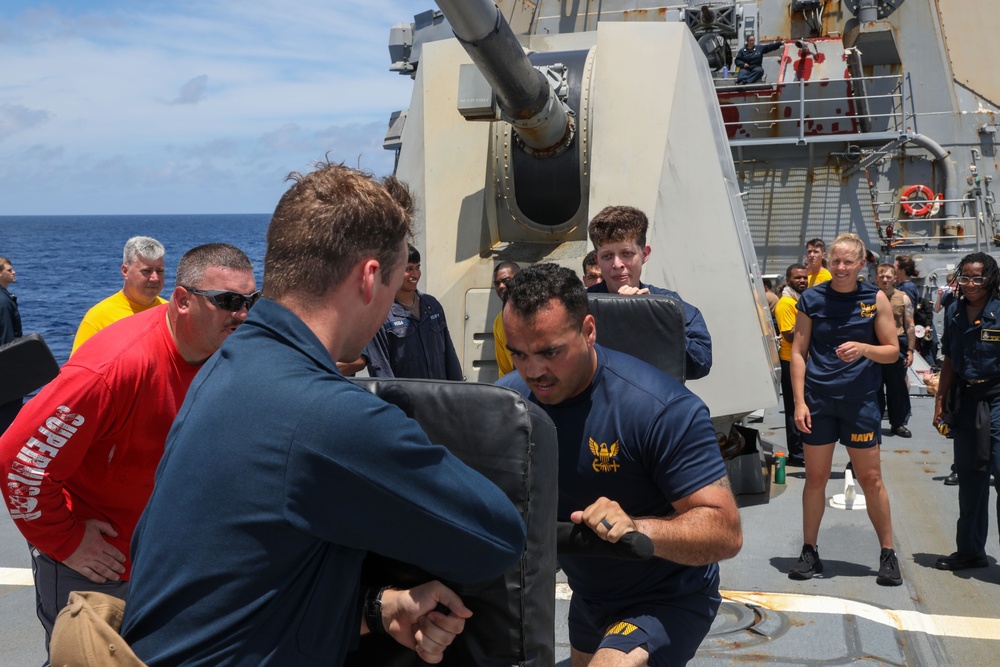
x=77, y=464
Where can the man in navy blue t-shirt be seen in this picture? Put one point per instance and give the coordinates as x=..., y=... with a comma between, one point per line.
x=637, y=452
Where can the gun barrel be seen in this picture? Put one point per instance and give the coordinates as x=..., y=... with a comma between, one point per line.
x=525, y=98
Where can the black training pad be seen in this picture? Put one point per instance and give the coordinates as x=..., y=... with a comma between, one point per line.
x=513, y=443
x=649, y=327
x=26, y=364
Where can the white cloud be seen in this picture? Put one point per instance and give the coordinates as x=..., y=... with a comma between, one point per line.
x=158, y=98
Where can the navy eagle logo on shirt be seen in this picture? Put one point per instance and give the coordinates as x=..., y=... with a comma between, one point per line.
x=606, y=458
x=867, y=309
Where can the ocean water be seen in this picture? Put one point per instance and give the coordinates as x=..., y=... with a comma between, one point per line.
x=66, y=264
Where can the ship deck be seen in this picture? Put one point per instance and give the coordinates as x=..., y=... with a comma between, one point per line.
x=934, y=618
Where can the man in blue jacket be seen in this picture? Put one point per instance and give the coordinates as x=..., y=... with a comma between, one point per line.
x=10, y=328
x=280, y=475
x=414, y=341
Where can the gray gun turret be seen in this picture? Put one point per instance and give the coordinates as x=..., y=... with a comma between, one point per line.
x=526, y=96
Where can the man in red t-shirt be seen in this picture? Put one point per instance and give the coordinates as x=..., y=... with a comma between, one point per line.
x=77, y=464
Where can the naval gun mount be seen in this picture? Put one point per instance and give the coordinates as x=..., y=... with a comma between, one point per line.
x=630, y=117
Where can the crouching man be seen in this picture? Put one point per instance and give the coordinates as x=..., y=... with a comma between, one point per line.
x=637, y=451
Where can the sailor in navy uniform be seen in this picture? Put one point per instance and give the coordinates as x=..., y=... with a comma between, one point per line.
x=633, y=442
x=10, y=328
x=844, y=329
x=969, y=398
x=750, y=60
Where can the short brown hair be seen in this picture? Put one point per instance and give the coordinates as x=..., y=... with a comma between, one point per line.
x=4, y=262
x=885, y=267
x=327, y=222
x=615, y=224
x=816, y=243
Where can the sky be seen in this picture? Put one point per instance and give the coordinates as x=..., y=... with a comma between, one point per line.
x=189, y=106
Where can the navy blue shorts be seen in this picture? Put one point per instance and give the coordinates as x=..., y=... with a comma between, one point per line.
x=854, y=423
x=670, y=634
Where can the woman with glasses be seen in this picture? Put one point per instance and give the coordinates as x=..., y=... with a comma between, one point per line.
x=968, y=399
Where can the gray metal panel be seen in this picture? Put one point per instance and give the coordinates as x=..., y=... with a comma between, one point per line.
x=476, y=100
x=970, y=33
x=482, y=305
x=788, y=204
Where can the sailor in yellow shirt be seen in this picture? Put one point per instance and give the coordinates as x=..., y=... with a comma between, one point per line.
x=502, y=274
x=796, y=279
x=815, y=256
x=142, y=269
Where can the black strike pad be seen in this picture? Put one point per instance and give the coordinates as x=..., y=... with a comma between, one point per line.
x=513, y=443
x=649, y=327
x=26, y=364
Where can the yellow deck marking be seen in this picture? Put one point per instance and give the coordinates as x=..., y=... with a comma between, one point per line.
x=969, y=627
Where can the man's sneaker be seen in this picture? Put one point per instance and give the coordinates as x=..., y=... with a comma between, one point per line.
x=888, y=569
x=808, y=564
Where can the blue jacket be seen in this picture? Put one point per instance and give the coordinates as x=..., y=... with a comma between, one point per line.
x=408, y=347
x=751, y=58
x=279, y=475
x=698, y=341
x=10, y=318
x=974, y=348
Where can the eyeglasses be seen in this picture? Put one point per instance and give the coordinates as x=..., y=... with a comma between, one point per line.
x=226, y=300
x=977, y=281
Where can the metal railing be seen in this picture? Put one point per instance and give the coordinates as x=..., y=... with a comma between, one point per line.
x=891, y=111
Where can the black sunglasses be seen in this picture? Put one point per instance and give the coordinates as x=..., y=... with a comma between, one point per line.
x=226, y=300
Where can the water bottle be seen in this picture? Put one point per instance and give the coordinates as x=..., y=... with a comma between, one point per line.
x=779, y=468
x=725, y=72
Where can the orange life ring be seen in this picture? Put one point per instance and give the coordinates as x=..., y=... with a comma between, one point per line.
x=928, y=200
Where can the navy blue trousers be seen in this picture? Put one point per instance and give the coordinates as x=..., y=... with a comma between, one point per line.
x=974, y=485
x=793, y=439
